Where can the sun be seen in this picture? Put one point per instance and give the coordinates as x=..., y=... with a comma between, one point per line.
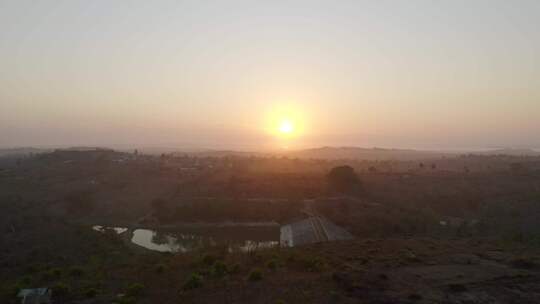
x=286, y=127
x=285, y=123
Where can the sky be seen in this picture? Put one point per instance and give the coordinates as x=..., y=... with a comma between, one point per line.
x=229, y=74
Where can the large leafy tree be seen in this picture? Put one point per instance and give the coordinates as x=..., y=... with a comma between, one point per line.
x=343, y=179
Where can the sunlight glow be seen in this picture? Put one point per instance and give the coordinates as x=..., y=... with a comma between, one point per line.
x=285, y=122
x=286, y=126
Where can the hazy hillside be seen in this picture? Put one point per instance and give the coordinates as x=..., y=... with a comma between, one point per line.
x=366, y=153
x=358, y=153
x=511, y=152
x=21, y=151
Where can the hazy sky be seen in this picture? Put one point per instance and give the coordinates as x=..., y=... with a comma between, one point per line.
x=424, y=74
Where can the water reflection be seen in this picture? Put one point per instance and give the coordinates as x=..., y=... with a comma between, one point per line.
x=235, y=239
x=185, y=242
x=117, y=230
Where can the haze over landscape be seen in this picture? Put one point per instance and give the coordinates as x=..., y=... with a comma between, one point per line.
x=269, y=152
x=192, y=74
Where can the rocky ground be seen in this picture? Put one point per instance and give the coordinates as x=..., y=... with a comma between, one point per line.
x=388, y=271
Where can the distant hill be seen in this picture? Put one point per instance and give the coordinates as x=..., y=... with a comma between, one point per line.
x=224, y=153
x=332, y=153
x=367, y=153
x=358, y=153
x=510, y=152
x=11, y=152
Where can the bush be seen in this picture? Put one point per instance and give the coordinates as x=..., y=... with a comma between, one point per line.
x=255, y=275
x=208, y=259
x=334, y=295
x=194, y=281
x=11, y=290
x=314, y=264
x=25, y=281
x=160, y=268
x=272, y=264
x=235, y=268
x=457, y=287
x=60, y=290
x=524, y=263
x=76, y=272
x=134, y=289
x=125, y=300
x=33, y=268
x=51, y=274
x=91, y=292
x=219, y=269
x=55, y=272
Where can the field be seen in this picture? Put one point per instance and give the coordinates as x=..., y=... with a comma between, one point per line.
x=449, y=229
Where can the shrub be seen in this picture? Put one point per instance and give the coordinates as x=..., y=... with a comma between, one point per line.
x=125, y=300
x=219, y=269
x=208, y=259
x=160, y=268
x=134, y=289
x=60, y=290
x=91, y=292
x=272, y=264
x=11, y=290
x=313, y=264
x=523, y=263
x=255, y=275
x=25, y=281
x=55, y=272
x=33, y=268
x=334, y=295
x=47, y=276
x=194, y=281
x=76, y=272
x=457, y=288
x=235, y=268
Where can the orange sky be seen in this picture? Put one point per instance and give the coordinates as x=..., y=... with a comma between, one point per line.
x=414, y=74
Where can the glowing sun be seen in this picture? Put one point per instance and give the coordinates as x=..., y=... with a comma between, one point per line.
x=286, y=127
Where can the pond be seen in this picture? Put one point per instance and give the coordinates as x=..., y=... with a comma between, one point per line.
x=235, y=239
x=118, y=230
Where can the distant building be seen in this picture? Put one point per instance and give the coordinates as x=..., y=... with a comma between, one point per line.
x=35, y=296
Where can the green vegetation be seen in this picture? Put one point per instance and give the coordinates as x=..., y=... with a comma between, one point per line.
x=76, y=272
x=490, y=217
x=255, y=275
x=219, y=269
x=61, y=290
x=125, y=300
x=135, y=289
x=195, y=281
x=272, y=264
x=525, y=263
x=456, y=287
x=209, y=259
x=91, y=292
x=160, y=268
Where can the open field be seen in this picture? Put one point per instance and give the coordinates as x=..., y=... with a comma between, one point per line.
x=443, y=230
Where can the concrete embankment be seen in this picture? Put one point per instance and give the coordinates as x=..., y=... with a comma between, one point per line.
x=314, y=229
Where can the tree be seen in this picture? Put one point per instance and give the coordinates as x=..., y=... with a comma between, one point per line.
x=343, y=179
